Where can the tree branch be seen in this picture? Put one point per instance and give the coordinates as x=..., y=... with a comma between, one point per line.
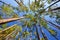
x=4, y=2
x=48, y=7
x=55, y=9
x=37, y=32
x=53, y=24
x=7, y=4
x=52, y=4
x=19, y=2
x=2, y=21
x=43, y=34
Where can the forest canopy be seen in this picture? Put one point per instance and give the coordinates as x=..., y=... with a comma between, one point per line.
x=30, y=22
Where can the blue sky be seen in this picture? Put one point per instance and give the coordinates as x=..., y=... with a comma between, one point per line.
x=13, y=3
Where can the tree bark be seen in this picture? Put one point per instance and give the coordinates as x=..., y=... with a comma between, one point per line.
x=49, y=6
x=2, y=21
x=43, y=34
x=37, y=32
x=52, y=4
x=58, y=27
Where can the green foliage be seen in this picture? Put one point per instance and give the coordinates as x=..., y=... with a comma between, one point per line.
x=1, y=29
x=36, y=5
x=43, y=23
x=22, y=7
x=58, y=16
x=19, y=28
x=15, y=16
x=0, y=17
x=32, y=6
x=27, y=23
x=7, y=9
x=12, y=31
x=49, y=1
x=14, y=34
x=28, y=15
x=42, y=39
x=8, y=31
x=4, y=26
x=41, y=11
x=29, y=19
x=25, y=34
x=53, y=32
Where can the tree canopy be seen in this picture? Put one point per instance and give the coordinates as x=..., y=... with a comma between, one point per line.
x=31, y=25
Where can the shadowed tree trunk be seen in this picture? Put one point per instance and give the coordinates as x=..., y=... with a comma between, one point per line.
x=37, y=33
x=45, y=37
x=58, y=27
x=49, y=6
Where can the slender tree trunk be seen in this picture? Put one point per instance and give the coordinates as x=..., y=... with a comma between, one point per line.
x=51, y=34
x=55, y=9
x=37, y=32
x=49, y=6
x=45, y=37
x=53, y=24
x=52, y=4
x=2, y=21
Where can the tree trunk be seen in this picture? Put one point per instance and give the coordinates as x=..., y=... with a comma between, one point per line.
x=43, y=34
x=2, y=21
x=37, y=32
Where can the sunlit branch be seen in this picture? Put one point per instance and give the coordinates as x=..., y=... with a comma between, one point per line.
x=14, y=32
x=8, y=35
x=2, y=21
x=8, y=28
